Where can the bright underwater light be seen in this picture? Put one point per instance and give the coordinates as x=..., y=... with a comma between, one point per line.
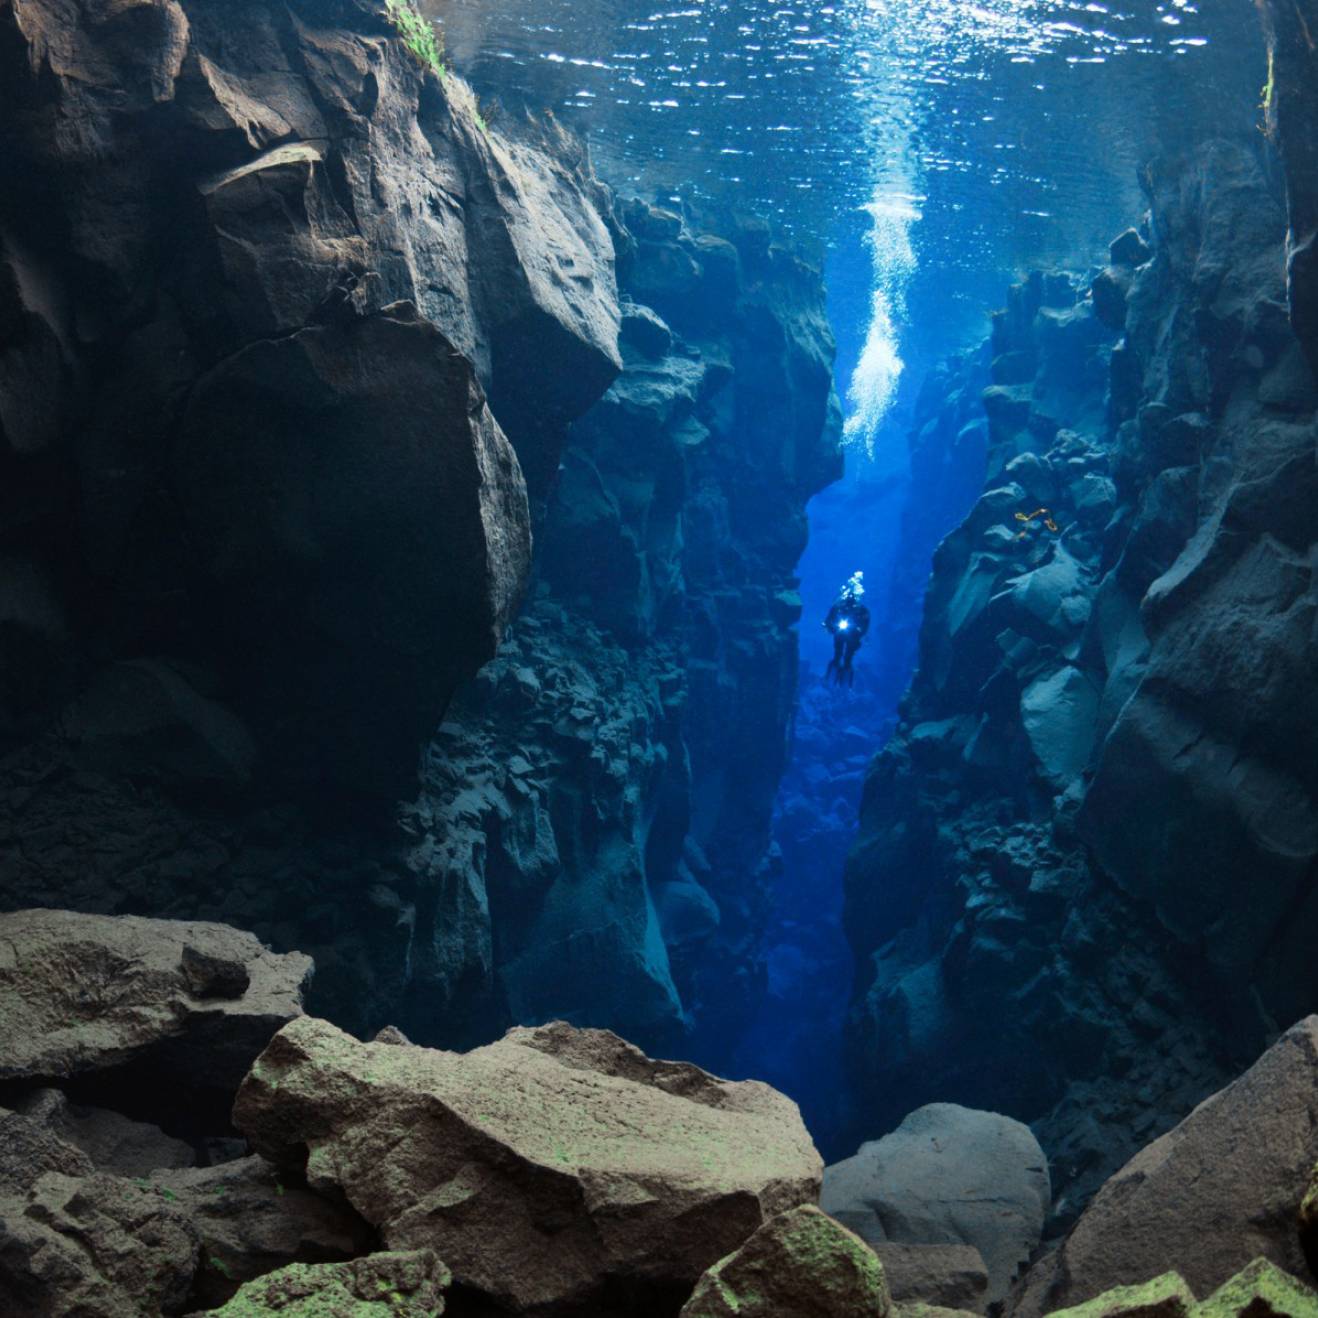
x=843, y=625
x=879, y=370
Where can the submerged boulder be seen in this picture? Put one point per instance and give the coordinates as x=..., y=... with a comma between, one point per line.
x=801, y=1263
x=82, y=993
x=549, y=1169
x=948, y=1175
x=1221, y=1189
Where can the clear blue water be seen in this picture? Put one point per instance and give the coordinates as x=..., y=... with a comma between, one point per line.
x=933, y=149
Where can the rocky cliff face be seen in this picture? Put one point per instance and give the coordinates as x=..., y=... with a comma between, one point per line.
x=1085, y=879
x=294, y=351
x=606, y=785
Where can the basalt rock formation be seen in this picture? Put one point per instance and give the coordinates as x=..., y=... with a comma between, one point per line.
x=1085, y=890
x=1218, y=1191
x=295, y=349
x=606, y=785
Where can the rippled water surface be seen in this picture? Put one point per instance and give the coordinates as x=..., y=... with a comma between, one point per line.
x=1014, y=127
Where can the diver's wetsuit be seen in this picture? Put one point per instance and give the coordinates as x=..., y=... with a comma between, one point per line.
x=848, y=620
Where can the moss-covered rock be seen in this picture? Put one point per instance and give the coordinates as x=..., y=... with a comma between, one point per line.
x=801, y=1263
x=1167, y=1296
x=395, y=1285
x=1261, y=1290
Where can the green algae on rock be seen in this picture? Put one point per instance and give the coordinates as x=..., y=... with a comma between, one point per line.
x=1261, y=1290
x=400, y=1285
x=1167, y=1296
x=801, y=1263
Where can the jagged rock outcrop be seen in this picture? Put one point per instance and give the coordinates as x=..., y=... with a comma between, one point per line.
x=554, y=1170
x=599, y=800
x=801, y=1263
x=291, y=345
x=87, y=993
x=271, y=283
x=947, y=1276
x=1220, y=1190
x=948, y=1176
x=251, y=1219
x=1091, y=843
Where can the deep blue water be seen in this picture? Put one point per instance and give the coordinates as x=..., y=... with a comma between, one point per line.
x=932, y=150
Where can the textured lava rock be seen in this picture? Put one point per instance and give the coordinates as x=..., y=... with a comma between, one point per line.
x=81, y=993
x=1221, y=1189
x=397, y=1284
x=250, y=1221
x=948, y=1175
x=77, y=1241
x=554, y=1168
x=113, y=1142
x=328, y=339
x=801, y=1263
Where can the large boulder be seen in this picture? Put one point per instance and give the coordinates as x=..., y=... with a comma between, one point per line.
x=82, y=993
x=948, y=1175
x=1221, y=1189
x=801, y=1263
x=554, y=1168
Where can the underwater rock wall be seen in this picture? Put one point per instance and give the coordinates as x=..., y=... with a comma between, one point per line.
x=1085, y=878
x=291, y=347
x=606, y=785
x=260, y=270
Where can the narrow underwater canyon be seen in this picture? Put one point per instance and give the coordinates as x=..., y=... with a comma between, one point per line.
x=405, y=735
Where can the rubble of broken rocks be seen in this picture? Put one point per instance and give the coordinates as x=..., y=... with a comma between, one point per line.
x=178, y=1137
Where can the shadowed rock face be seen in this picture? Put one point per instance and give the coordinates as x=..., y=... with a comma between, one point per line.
x=253, y=292
x=1219, y=1190
x=291, y=352
x=1084, y=887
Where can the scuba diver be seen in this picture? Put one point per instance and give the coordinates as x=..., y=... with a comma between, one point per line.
x=848, y=620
